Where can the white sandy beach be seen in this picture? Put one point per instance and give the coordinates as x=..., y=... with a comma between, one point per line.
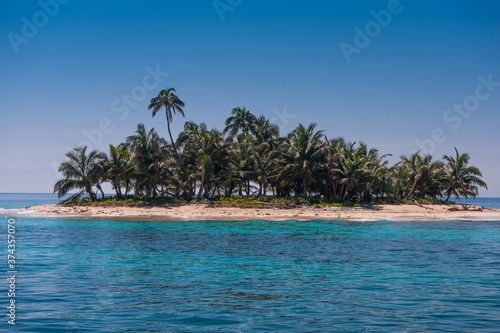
x=170, y=212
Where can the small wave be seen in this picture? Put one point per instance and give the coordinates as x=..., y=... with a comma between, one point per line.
x=22, y=212
x=12, y=211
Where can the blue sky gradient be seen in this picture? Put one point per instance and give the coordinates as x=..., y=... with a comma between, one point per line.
x=281, y=59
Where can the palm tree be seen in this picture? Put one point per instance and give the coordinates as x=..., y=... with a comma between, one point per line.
x=263, y=164
x=205, y=149
x=197, y=147
x=353, y=172
x=382, y=177
x=423, y=177
x=79, y=173
x=149, y=154
x=265, y=132
x=239, y=151
x=251, y=157
x=461, y=179
x=412, y=165
x=333, y=160
x=241, y=119
x=303, y=156
x=172, y=104
x=118, y=165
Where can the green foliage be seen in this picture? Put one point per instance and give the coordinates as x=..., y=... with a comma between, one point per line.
x=128, y=201
x=249, y=163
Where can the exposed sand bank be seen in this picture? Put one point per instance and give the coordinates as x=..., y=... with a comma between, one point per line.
x=169, y=212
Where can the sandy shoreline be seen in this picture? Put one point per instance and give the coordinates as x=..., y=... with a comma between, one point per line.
x=169, y=212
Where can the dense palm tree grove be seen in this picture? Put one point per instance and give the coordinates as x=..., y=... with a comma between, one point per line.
x=250, y=157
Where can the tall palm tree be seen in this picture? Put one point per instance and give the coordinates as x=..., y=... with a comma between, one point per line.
x=172, y=104
x=79, y=173
x=461, y=179
x=241, y=119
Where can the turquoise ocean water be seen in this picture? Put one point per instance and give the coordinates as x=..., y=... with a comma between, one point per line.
x=77, y=275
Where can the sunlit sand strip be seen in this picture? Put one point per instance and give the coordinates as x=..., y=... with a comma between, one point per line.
x=206, y=212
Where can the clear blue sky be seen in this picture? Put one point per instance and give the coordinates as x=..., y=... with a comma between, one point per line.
x=270, y=56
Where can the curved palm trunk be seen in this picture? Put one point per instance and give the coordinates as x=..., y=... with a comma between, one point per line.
x=414, y=184
x=118, y=189
x=345, y=192
x=100, y=190
x=127, y=183
x=230, y=190
x=170, y=134
x=92, y=196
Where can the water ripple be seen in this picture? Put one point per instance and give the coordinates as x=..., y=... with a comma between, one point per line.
x=256, y=276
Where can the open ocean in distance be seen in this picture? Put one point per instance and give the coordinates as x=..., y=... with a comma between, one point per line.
x=87, y=275
x=21, y=200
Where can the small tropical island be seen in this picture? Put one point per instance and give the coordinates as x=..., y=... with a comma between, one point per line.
x=250, y=164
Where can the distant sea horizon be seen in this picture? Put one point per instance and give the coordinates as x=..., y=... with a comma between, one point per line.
x=23, y=200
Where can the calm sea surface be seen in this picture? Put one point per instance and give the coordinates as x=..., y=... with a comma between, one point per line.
x=254, y=276
x=21, y=200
